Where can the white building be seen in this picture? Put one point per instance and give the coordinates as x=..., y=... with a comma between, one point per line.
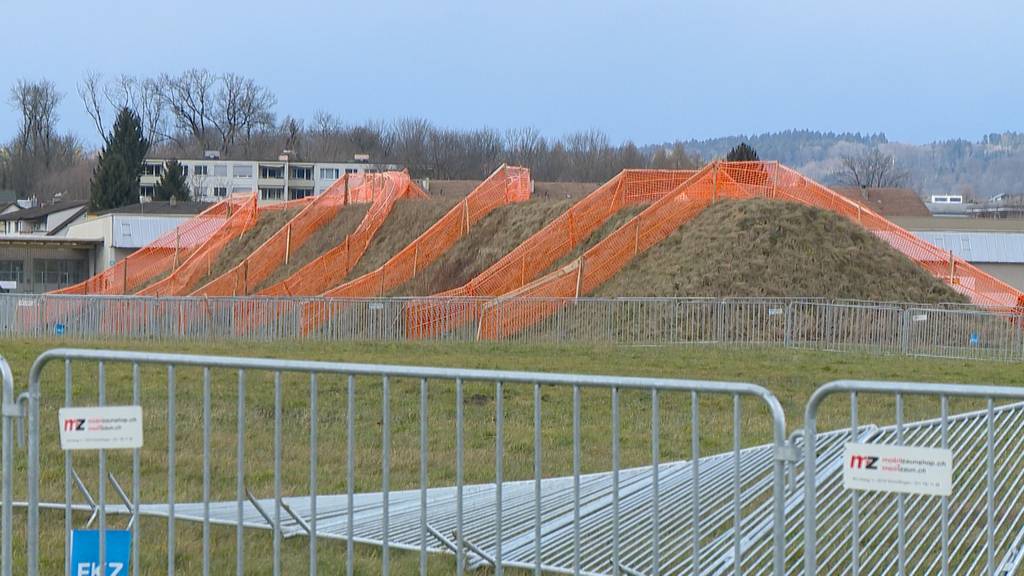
x=212, y=179
x=126, y=229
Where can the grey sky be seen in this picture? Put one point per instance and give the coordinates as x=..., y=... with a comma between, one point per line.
x=644, y=70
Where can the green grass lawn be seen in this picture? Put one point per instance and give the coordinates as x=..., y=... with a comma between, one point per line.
x=791, y=375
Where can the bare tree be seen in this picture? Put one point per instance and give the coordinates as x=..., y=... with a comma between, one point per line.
x=241, y=108
x=89, y=89
x=190, y=97
x=37, y=103
x=522, y=145
x=870, y=169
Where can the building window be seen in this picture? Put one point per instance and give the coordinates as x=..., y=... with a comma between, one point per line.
x=184, y=169
x=153, y=169
x=220, y=170
x=126, y=229
x=298, y=193
x=241, y=171
x=329, y=173
x=12, y=270
x=58, y=272
x=220, y=191
x=351, y=170
x=300, y=173
x=200, y=170
x=271, y=172
x=241, y=190
x=272, y=193
x=146, y=191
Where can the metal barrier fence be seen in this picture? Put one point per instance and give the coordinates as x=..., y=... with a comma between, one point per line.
x=232, y=419
x=977, y=530
x=9, y=413
x=948, y=331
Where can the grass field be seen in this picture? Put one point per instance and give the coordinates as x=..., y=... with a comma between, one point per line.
x=791, y=375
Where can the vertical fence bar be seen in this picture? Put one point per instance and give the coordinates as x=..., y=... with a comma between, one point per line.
x=314, y=449
x=737, y=552
x=171, y=465
x=537, y=518
x=385, y=483
x=901, y=514
x=460, y=553
x=68, y=495
x=615, y=481
x=136, y=476
x=499, y=472
x=944, y=425
x=854, y=497
x=102, y=489
x=655, y=473
x=695, y=470
x=424, y=425
x=240, y=478
x=206, y=471
x=576, y=479
x=276, y=546
x=990, y=491
x=350, y=475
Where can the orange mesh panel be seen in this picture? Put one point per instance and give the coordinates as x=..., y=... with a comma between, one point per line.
x=331, y=267
x=184, y=277
x=158, y=256
x=505, y=185
x=264, y=260
x=541, y=250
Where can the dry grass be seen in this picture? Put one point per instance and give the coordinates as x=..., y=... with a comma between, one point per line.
x=488, y=240
x=241, y=247
x=613, y=223
x=328, y=236
x=408, y=219
x=775, y=249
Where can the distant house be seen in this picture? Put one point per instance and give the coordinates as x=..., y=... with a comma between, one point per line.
x=48, y=220
x=887, y=201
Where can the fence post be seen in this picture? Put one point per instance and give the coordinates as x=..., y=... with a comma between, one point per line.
x=905, y=332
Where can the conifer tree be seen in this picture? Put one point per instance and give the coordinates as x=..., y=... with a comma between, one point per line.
x=115, y=181
x=742, y=153
x=172, y=184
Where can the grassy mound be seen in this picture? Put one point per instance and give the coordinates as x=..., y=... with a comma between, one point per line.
x=328, y=236
x=488, y=240
x=408, y=219
x=775, y=249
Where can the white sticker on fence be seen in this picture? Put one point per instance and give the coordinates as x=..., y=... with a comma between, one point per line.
x=100, y=427
x=919, y=317
x=906, y=469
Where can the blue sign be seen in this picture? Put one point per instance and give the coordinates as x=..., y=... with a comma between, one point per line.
x=85, y=552
x=58, y=329
x=974, y=339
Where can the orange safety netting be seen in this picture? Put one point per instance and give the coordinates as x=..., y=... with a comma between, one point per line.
x=198, y=264
x=505, y=185
x=159, y=256
x=331, y=267
x=541, y=250
x=262, y=262
x=516, y=310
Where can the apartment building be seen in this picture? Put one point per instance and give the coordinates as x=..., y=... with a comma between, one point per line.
x=212, y=179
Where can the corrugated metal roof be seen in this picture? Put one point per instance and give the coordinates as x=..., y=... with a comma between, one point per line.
x=985, y=247
x=136, y=231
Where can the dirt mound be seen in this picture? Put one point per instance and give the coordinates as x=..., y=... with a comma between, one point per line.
x=613, y=223
x=488, y=240
x=775, y=249
x=328, y=236
x=238, y=249
x=408, y=219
